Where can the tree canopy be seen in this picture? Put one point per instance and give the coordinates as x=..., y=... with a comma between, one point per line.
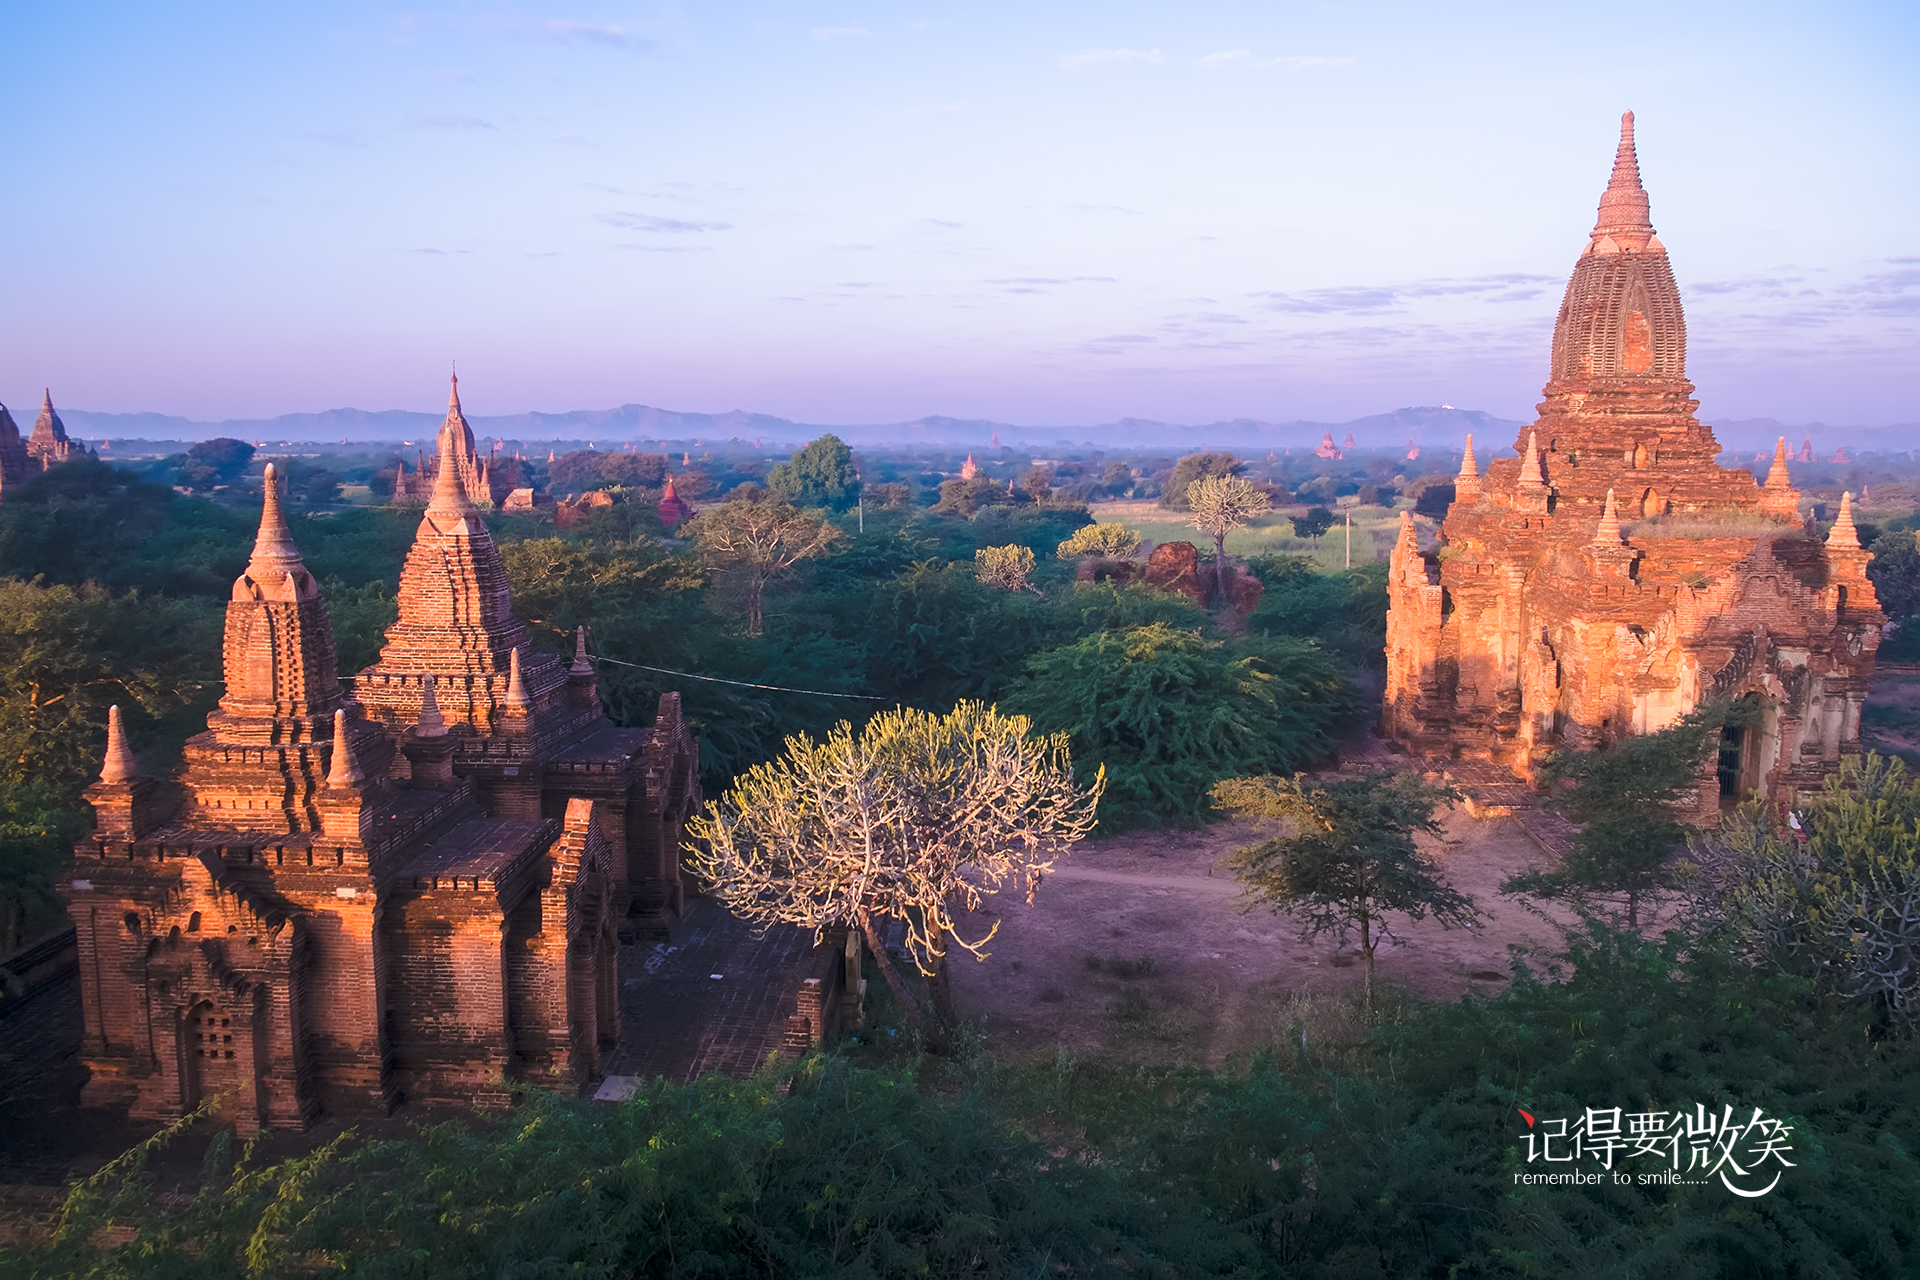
x=820, y=475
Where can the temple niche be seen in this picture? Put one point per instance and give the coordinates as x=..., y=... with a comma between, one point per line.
x=1614, y=576
x=410, y=885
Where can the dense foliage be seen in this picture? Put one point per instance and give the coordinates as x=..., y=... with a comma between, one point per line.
x=1393, y=1156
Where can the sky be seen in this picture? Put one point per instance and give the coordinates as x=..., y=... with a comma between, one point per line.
x=1061, y=213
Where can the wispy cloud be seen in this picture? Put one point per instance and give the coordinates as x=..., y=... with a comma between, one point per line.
x=939, y=109
x=943, y=223
x=1244, y=60
x=450, y=122
x=569, y=31
x=664, y=248
x=1108, y=58
x=1509, y=286
x=825, y=34
x=656, y=225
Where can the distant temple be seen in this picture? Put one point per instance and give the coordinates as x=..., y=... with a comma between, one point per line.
x=673, y=508
x=46, y=448
x=407, y=885
x=1327, y=447
x=487, y=481
x=1613, y=577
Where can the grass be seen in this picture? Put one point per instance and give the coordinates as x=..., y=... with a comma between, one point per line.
x=1374, y=529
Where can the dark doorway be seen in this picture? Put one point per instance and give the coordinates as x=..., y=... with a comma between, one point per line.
x=1731, y=741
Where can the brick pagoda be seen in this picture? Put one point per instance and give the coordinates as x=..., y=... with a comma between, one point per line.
x=410, y=888
x=1614, y=576
x=48, y=446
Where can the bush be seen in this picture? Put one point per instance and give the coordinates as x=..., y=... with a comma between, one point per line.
x=1169, y=713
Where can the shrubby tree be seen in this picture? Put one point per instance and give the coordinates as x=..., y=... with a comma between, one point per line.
x=1345, y=611
x=820, y=475
x=964, y=497
x=1197, y=466
x=1895, y=571
x=890, y=497
x=1627, y=802
x=1313, y=524
x=584, y=470
x=1836, y=898
x=1220, y=504
x=759, y=543
x=1349, y=860
x=1038, y=484
x=1168, y=712
x=916, y=818
x=1006, y=568
x=1117, y=479
x=1105, y=539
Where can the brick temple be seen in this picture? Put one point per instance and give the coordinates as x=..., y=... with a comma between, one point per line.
x=1614, y=576
x=410, y=885
x=43, y=450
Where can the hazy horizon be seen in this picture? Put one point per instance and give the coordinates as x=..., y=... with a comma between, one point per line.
x=856, y=213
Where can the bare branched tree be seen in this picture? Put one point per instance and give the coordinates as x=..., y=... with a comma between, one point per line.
x=758, y=543
x=1220, y=505
x=916, y=818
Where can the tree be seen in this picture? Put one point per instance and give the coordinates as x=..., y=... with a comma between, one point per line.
x=1835, y=899
x=1005, y=567
x=1313, y=524
x=1107, y=539
x=964, y=497
x=587, y=469
x=1038, y=483
x=758, y=543
x=1895, y=571
x=1168, y=713
x=820, y=475
x=307, y=482
x=891, y=497
x=1117, y=478
x=1626, y=801
x=1351, y=859
x=1221, y=504
x=917, y=818
x=214, y=462
x=1197, y=466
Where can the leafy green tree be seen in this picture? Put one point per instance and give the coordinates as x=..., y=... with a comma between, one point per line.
x=1314, y=524
x=964, y=497
x=1835, y=899
x=917, y=818
x=1626, y=801
x=1037, y=484
x=820, y=475
x=1005, y=568
x=1345, y=611
x=1117, y=479
x=1220, y=504
x=1106, y=539
x=307, y=482
x=1895, y=571
x=1197, y=466
x=757, y=544
x=1350, y=860
x=1168, y=713
x=214, y=462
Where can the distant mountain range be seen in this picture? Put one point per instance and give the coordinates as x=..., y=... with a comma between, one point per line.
x=1434, y=426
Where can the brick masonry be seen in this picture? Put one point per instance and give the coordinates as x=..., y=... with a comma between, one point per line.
x=410, y=888
x=1614, y=576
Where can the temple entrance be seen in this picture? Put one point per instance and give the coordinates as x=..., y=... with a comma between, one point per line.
x=1732, y=742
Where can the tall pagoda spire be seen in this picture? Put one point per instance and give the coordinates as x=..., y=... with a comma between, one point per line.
x=451, y=501
x=1466, y=485
x=1625, y=213
x=119, y=765
x=275, y=558
x=1843, y=534
x=1608, y=532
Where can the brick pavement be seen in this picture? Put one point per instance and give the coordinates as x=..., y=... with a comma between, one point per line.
x=679, y=1021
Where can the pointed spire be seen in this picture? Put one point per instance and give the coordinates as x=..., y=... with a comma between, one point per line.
x=453, y=396
x=450, y=496
x=431, y=723
x=1624, y=211
x=516, y=687
x=343, y=770
x=1778, y=476
x=1843, y=533
x=1469, y=466
x=1531, y=477
x=274, y=556
x=119, y=765
x=1608, y=534
x=580, y=667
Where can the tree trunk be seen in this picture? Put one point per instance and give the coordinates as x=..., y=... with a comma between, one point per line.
x=910, y=1007
x=1366, y=949
x=940, y=987
x=755, y=589
x=1220, y=569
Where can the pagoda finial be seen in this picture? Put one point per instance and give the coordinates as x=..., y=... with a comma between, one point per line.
x=274, y=555
x=119, y=765
x=1608, y=534
x=1624, y=212
x=450, y=496
x=343, y=772
x=1843, y=533
x=1531, y=476
x=580, y=664
x=453, y=395
x=431, y=723
x=1777, y=475
x=516, y=687
x=1469, y=466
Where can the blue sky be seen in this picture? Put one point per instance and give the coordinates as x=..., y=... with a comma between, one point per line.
x=854, y=212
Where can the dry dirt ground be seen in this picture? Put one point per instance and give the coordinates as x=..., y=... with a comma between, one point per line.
x=1139, y=943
